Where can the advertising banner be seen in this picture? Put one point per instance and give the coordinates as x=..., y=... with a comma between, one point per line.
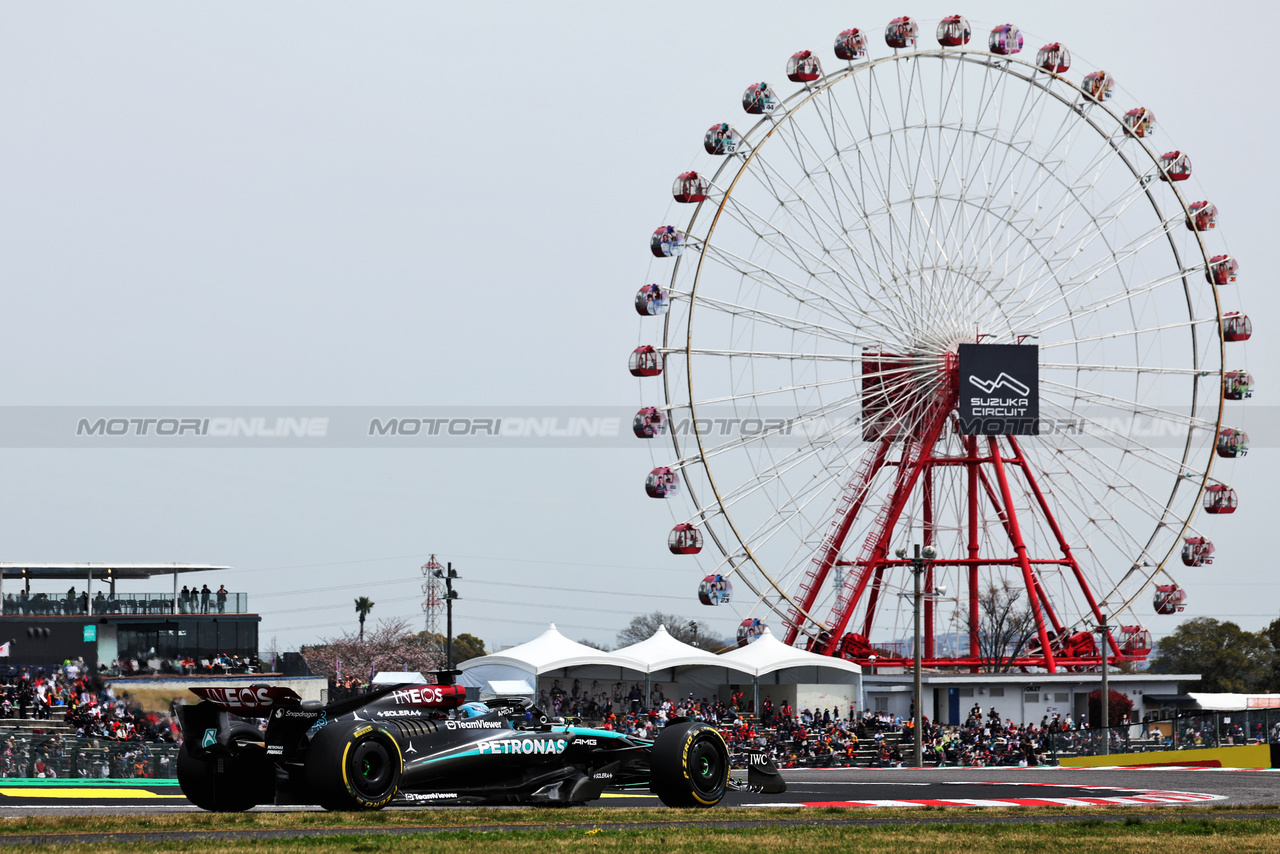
x=999, y=389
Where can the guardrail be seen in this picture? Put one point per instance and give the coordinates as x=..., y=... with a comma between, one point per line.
x=126, y=604
x=57, y=755
x=1185, y=732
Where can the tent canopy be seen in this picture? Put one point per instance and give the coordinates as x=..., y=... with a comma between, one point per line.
x=767, y=654
x=662, y=651
x=406, y=677
x=550, y=651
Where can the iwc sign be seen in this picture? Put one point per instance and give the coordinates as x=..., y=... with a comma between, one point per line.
x=999, y=389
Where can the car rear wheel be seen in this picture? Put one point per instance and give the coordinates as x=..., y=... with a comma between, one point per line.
x=228, y=783
x=690, y=766
x=353, y=767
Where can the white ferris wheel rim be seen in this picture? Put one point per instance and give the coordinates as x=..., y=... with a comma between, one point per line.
x=740, y=558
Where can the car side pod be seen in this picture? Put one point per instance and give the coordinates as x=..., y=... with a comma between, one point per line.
x=762, y=775
x=689, y=765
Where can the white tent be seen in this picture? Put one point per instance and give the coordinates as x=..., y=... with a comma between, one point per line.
x=549, y=654
x=666, y=659
x=662, y=651
x=767, y=655
x=406, y=677
x=659, y=659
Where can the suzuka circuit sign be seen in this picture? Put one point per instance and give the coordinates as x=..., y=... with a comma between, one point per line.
x=999, y=389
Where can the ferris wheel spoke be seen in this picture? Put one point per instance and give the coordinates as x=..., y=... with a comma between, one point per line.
x=1042, y=288
x=1051, y=175
x=802, y=137
x=784, y=285
x=707, y=451
x=864, y=144
x=1084, y=238
x=894, y=384
x=845, y=311
x=820, y=224
x=1074, y=313
x=764, y=354
x=1120, y=441
x=1079, y=393
x=1102, y=522
x=781, y=519
x=988, y=164
x=774, y=472
x=882, y=167
x=1002, y=173
x=784, y=519
x=1128, y=369
x=750, y=219
x=801, y=419
x=787, y=322
x=931, y=249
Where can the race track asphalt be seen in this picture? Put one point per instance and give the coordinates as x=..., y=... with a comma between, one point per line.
x=1005, y=787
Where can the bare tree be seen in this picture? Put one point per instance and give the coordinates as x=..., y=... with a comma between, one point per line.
x=1005, y=627
x=688, y=631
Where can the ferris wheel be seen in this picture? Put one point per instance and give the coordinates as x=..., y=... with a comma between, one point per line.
x=948, y=296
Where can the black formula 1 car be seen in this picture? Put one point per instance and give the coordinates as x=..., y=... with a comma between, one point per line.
x=423, y=744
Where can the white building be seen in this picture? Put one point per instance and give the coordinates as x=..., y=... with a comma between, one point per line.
x=1020, y=697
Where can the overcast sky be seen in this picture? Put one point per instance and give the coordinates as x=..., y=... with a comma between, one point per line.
x=327, y=204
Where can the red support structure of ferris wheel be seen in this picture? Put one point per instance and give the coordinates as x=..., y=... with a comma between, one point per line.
x=989, y=478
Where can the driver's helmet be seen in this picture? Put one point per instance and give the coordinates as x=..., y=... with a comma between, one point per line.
x=472, y=710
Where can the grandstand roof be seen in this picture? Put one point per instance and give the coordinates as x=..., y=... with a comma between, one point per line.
x=102, y=571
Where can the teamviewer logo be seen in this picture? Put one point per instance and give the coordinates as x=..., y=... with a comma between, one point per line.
x=1002, y=381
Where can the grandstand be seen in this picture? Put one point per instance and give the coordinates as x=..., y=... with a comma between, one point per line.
x=69, y=611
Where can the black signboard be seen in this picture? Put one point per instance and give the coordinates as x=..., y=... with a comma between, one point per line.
x=999, y=389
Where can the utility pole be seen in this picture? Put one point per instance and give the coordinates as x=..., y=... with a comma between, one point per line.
x=917, y=566
x=450, y=594
x=1104, y=631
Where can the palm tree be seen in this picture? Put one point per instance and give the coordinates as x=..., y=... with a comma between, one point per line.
x=363, y=606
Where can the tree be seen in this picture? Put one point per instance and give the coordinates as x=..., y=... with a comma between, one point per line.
x=1004, y=629
x=1228, y=658
x=363, y=606
x=465, y=646
x=1118, y=706
x=390, y=645
x=642, y=627
x=1272, y=633
x=594, y=645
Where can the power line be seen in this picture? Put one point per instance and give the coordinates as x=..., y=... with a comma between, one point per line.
x=649, y=568
x=362, y=585
x=503, y=621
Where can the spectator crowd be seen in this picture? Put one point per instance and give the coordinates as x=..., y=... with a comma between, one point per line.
x=105, y=733
x=815, y=737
